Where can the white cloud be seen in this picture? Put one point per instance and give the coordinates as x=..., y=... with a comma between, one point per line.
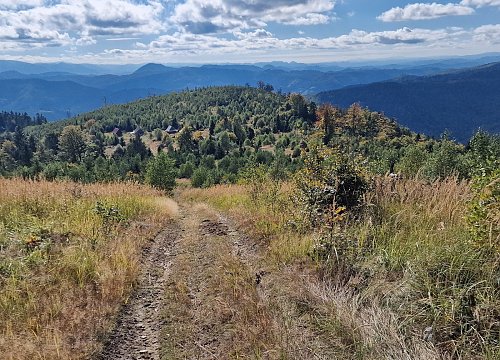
x=421, y=11
x=213, y=16
x=19, y=4
x=480, y=3
x=309, y=19
x=488, y=34
x=261, y=45
x=64, y=22
x=262, y=40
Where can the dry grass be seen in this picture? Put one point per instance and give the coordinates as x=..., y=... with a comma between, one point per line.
x=65, y=267
x=266, y=214
x=213, y=310
x=409, y=263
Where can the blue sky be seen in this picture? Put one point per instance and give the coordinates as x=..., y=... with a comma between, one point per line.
x=243, y=31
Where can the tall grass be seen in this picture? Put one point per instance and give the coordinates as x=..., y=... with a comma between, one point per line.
x=419, y=235
x=69, y=255
x=403, y=278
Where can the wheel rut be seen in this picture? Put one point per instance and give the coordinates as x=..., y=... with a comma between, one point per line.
x=137, y=332
x=207, y=292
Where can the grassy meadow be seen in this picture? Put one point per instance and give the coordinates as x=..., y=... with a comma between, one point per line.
x=401, y=278
x=69, y=257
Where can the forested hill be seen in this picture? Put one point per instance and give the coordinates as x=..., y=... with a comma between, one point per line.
x=201, y=108
x=460, y=101
x=211, y=134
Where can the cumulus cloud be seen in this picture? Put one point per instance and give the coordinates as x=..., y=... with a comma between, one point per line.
x=213, y=16
x=480, y=3
x=262, y=40
x=19, y=4
x=488, y=33
x=63, y=22
x=421, y=11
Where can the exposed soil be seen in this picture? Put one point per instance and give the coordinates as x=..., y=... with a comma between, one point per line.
x=206, y=292
x=212, y=308
x=136, y=335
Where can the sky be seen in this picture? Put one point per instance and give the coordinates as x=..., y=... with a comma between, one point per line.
x=244, y=31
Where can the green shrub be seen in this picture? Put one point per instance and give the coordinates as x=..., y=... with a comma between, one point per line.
x=327, y=182
x=484, y=210
x=161, y=172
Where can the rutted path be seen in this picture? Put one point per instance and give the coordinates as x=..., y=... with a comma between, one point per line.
x=136, y=335
x=213, y=309
x=205, y=292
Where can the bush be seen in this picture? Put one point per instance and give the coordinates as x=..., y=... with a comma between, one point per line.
x=186, y=170
x=161, y=172
x=199, y=177
x=484, y=209
x=327, y=182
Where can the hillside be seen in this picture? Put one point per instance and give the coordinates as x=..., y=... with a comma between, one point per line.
x=266, y=225
x=459, y=101
x=56, y=92
x=218, y=134
x=222, y=131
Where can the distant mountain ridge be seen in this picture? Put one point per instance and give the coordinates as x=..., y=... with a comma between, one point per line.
x=460, y=101
x=55, y=98
x=61, y=90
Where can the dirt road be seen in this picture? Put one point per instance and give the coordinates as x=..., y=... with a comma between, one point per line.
x=206, y=292
x=136, y=335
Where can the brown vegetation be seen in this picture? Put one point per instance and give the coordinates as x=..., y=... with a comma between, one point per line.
x=403, y=278
x=69, y=256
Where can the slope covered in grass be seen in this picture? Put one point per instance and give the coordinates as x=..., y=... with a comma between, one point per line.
x=402, y=277
x=69, y=256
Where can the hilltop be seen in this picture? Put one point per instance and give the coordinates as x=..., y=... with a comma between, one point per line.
x=460, y=101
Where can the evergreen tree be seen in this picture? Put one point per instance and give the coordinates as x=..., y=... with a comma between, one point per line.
x=161, y=172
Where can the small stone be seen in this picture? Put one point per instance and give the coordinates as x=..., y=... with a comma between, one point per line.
x=428, y=334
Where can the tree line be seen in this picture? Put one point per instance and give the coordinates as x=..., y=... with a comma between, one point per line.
x=222, y=133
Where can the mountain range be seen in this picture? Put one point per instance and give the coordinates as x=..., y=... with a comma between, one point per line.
x=459, y=101
x=426, y=95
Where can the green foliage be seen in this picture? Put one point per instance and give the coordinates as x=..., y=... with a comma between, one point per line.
x=161, y=172
x=204, y=177
x=72, y=143
x=484, y=209
x=412, y=161
x=9, y=121
x=186, y=170
x=444, y=160
x=110, y=215
x=328, y=182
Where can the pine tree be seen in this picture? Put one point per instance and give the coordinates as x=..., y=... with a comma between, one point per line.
x=161, y=172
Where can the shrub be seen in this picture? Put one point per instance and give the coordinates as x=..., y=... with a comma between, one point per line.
x=199, y=177
x=161, y=173
x=327, y=182
x=484, y=210
x=186, y=170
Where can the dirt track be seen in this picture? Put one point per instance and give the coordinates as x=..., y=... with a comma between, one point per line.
x=136, y=335
x=205, y=292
